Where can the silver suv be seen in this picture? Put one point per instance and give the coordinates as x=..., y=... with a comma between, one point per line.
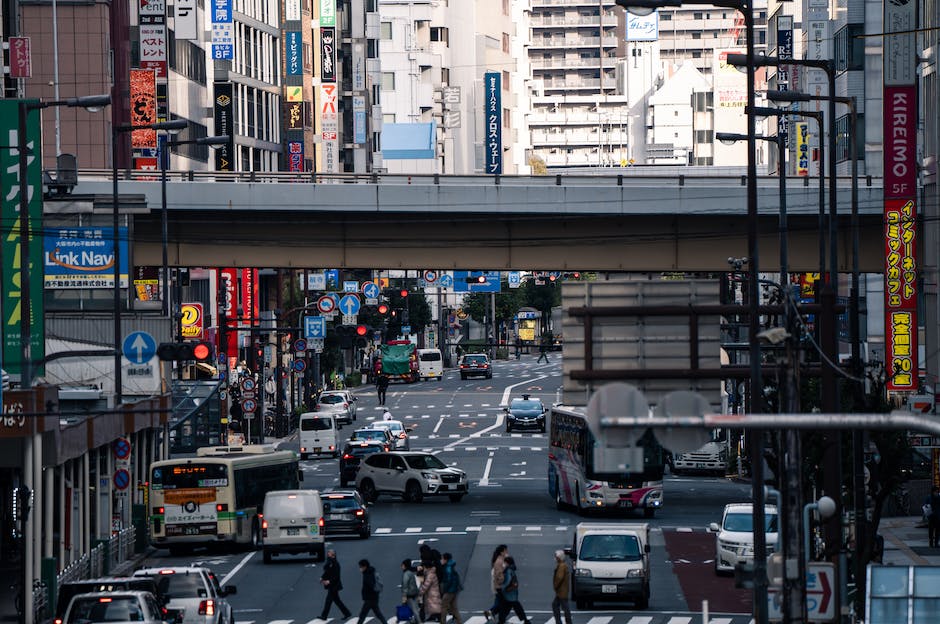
x=410, y=475
x=195, y=591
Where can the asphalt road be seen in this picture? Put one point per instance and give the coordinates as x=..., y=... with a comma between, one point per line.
x=508, y=503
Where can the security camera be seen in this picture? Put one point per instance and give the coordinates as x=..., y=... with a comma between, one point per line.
x=774, y=335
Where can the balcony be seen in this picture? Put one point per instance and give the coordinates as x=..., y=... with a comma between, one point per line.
x=571, y=63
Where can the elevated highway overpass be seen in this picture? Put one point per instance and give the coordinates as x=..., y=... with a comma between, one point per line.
x=663, y=222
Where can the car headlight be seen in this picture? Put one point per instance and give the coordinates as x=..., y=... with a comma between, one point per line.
x=583, y=572
x=430, y=476
x=635, y=573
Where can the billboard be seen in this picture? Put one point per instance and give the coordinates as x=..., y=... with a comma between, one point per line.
x=328, y=54
x=802, y=148
x=293, y=48
x=493, y=123
x=83, y=257
x=223, y=111
x=185, y=23
x=295, y=156
x=143, y=107
x=294, y=111
x=223, y=32
x=10, y=244
x=329, y=125
x=643, y=27
x=328, y=13
x=153, y=48
x=20, y=58
x=900, y=195
x=359, y=119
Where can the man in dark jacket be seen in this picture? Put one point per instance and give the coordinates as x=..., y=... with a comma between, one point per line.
x=450, y=587
x=330, y=580
x=933, y=519
x=370, y=593
x=381, y=386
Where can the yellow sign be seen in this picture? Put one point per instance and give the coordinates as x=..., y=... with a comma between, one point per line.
x=527, y=333
x=191, y=320
x=294, y=93
x=802, y=149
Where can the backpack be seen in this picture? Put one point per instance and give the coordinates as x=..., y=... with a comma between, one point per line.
x=377, y=584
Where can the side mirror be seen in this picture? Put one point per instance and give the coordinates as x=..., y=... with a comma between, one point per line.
x=569, y=552
x=714, y=528
x=229, y=590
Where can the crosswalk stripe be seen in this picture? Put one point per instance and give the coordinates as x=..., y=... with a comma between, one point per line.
x=720, y=621
x=679, y=619
x=640, y=619
x=474, y=619
x=600, y=619
x=280, y=621
x=380, y=531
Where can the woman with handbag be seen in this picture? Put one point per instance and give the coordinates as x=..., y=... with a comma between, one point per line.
x=511, y=594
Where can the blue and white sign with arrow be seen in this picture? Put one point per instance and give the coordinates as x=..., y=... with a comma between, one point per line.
x=350, y=304
x=139, y=347
x=314, y=327
x=370, y=290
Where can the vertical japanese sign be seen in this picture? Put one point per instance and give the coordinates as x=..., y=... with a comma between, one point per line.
x=223, y=31
x=228, y=288
x=21, y=62
x=295, y=156
x=185, y=23
x=802, y=148
x=143, y=107
x=10, y=243
x=293, y=45
x=328, y=13
x=493, y=123
x=328, y=54
x=329, y=124
x=294, y=111
x=292, y=10
x=784, y=53
x=249, y=298
x=900, y=201
x=153, y=48
x=224, y=125
x=359, y=119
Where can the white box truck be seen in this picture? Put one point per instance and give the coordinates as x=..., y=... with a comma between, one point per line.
x=611, y=563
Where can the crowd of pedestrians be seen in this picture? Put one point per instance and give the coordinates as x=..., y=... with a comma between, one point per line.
x=430, y=589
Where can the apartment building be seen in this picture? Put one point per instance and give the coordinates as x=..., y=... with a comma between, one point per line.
x=434, y=57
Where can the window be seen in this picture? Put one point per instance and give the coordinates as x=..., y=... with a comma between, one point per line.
x=388, y=117
x=505, y=80
x=697, y=15
x=843, y=140
x=506, y=43
x=703, y=136
x=849, y=48
x=696, y=34
x=388, y=81
x=440, y=33
x=385, y=31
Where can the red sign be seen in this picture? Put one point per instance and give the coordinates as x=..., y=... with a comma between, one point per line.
x=21, y=65
x=249, y=290
x=143, y=107
x=228, y=289
x=900, y=141
x=142, y=163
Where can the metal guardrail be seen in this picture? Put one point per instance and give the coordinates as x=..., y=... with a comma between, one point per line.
x=613, y=176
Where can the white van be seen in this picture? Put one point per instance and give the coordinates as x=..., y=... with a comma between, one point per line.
x=318, y=434
x=292, y=522
x=430, y=364
x=611, y=562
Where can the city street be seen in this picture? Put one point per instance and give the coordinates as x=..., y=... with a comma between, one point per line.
x=462, y=421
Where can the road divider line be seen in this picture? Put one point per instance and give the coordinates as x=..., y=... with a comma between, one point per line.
x=438, y=425
x=241, y=564
x=485, y=479
x=503, y=402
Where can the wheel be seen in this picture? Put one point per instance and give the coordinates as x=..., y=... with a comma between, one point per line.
x=649, y=512
x=455, y=498
x=367, y=489
x=256, y=541
x=413, y=493
x=365, y=533
x=559, y=504
x=267, y=556
x=643, y=602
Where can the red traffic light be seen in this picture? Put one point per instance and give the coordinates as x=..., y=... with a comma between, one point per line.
x=404, y=292
x=361, y=330
x=202, y=351
x=383, y=308
x=481, y=279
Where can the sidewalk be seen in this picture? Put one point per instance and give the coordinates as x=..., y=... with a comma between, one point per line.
x=906, y=542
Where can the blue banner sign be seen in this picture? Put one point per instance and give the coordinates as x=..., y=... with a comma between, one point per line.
x=493, y=115
x=82, y=257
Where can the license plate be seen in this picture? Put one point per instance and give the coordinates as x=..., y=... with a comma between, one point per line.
x=191, y=531
x=608, y=589
x=293, y=530
x=316, y=449
x=626, y=503
x=336, y=516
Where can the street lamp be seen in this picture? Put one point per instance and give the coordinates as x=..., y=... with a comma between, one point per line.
x=91, y=103
x=858, y=462
x=211, y=141
x=176, y=124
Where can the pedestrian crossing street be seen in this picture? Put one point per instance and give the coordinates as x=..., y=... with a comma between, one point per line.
x=546, y=618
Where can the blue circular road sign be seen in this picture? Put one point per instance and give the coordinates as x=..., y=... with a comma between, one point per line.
x=139, y=347
x=122, y=478
x=300, y=365
x=122, y=448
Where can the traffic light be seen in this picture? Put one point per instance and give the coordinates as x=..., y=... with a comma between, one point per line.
x=403, y=293
x=383, y=309
x=362, y=331
x=185, y=351
x=572, y=275
x=344, y=333
x=476, y=279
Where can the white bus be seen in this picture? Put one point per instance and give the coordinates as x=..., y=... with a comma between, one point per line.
x=572, y=479
x=217, y=496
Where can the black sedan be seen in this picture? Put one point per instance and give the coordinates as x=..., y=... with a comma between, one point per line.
x=353, y=452
x=344, y=511
x=525, y=413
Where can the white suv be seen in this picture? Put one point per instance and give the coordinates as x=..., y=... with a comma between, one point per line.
x=734, y=542
x=195, y=591
x=411, y=475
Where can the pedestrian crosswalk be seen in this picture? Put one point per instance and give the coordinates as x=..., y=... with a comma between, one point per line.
x=547, y=618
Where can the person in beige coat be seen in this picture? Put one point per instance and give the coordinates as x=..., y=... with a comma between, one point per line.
x=561, y=581
x=430, y=593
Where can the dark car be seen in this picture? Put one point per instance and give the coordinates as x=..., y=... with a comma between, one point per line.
x=353, y=453
x=475, y=365
x=70, y=589
x=525, y=413
x=345, y=512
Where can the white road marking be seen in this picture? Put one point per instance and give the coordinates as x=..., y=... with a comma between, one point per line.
x=413, y=530
x=473, y=529
x=485, y=479
x=600, y=619
x=684, y=530
x=438, y=425
x=443, y=529
x=504, y=528
x=230, y=575
x=533, y=528
x=680, y=619
x=640, y=619
x=381, y=531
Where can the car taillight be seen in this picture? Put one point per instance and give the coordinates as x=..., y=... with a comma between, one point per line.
x=348, y=456
x=360, y=513
x=57, y=621
x=207, y=607
x=303, y=449
x=332, y=447
x=104, y=600
x=320, y=523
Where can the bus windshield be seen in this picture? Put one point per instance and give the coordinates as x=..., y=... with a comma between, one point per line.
x=195, y=475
